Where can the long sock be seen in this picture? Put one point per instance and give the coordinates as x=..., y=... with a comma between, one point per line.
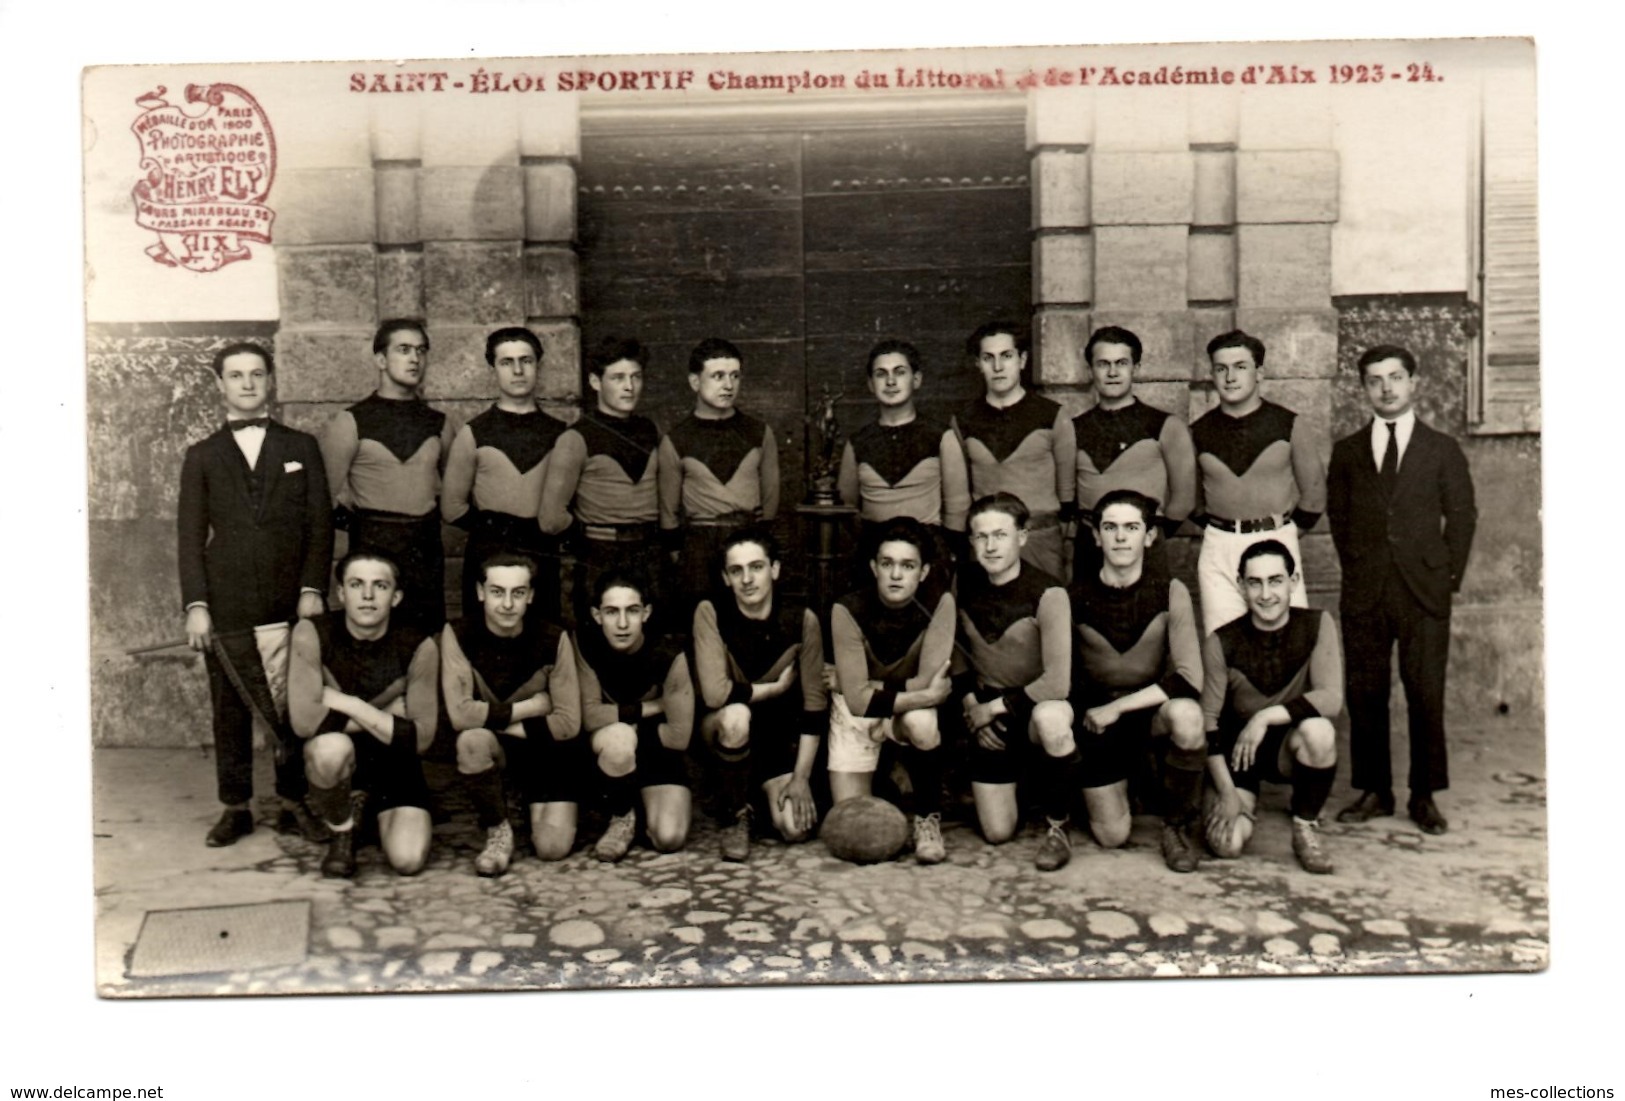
x=332, y=805
x=1310, y=787
x=1182, y=783
x=619, y=793
x=925, y=772
x=1060, y=785
x=733, y=776
x=485, y=789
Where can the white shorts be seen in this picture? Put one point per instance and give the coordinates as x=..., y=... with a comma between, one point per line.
x=854, y=741
x=1216, y=572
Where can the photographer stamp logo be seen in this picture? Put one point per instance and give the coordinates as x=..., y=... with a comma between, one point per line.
x=206, y=169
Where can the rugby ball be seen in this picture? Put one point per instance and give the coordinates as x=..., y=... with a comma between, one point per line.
x=865, y=830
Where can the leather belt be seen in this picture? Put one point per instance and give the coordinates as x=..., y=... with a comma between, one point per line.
x=1248, y=527
x=725, y=520
x=620, y=533
x=378, y=516
x=1043, y=521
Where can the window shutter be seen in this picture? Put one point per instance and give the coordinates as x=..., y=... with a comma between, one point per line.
x=1508, y=394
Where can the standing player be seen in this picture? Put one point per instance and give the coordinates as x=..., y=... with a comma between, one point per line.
x=1272, y=682
x=1138, y=678
x=254, y=537
x=719, y=469
x=892, y=654
x=604, y=471
x=1019, y=443
x=361, y=691
x=496, y=470
x=511, y=691
x=1400, y=501
x=900, y=463
x=1261, y=477
x=1016, y=640
x=1125, y=444
x=637, y=707
x=759, y=666
x=384, y=456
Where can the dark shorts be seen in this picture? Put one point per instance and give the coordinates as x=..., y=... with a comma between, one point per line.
x=1007, y=765
x=658, y=764
x=544, y=769
x=1266, y=762
x=775, y=736
x=1109, y=757
x=391, y=775
x=415, y=546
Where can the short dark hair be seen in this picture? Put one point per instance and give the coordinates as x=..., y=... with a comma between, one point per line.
x=893, y=346
x=366, y=554
x=241, y=348
x=613, y=349
x=903, y=529
x=505, y=557
x=760, y=534
x=1013, y=329
x=509, y=335
x=1235, y=338
x=712, y=347
x=620, y=577
x=1264, y=549
x=1112, y=334
x=1007, y=503
x=1147, y=504
x=387, y=329
x=1381, y=352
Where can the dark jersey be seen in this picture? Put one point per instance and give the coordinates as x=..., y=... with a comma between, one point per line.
x=1027, y=449
x=733, y=652
x=1258, y=465
x=615, y=684
x=1133, y=637
x=915, y=469
x=498, y=463
x=366, y=668
x=604, y=470
x=1016, y=637
x=485, y=674
x=1299, y=666
x=881, y=651
x=1139, y=448
x=711, y=468
x=385, y=455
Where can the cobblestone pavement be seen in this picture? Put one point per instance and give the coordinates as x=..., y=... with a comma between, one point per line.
x=1472, y=900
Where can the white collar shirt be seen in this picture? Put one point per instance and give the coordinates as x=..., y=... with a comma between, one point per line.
x=249, y=441
x=1404, y=425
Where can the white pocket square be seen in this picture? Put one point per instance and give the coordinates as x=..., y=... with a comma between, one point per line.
x=292, y=465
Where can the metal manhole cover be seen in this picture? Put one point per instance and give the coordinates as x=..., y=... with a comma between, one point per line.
x=220, y=938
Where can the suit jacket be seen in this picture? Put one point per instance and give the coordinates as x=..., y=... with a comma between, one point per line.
x=1425, y=530
x=250, y=563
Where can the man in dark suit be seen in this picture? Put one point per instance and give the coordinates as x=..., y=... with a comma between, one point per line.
x=255, y=539
x=1400, y=500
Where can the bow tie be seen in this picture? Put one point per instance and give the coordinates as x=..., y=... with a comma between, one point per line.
x=252, y=422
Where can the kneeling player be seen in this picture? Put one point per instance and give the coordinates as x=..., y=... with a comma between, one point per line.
x=1014, y=635
x=759, y=666
x=1139, y=676
x=891, y=658
x=510, y=683
x=361, y=692
x=637, y=706
x=1272, y=684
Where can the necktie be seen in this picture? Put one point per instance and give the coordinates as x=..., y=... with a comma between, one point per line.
x=1389, y=474
x=252, y=422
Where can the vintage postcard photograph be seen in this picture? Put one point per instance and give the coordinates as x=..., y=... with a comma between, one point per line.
x=1056, y=512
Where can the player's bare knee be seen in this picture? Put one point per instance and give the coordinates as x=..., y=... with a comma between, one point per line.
x=616, y=746
x=329, y=758
x=1184, y=718
x=733, y=726
x=1317, y=743
x=920, y=729
x=1052, y=726
x=407, y=860
x=1111, y=830
x=668, y=834
x=476, y=751
x=553, y=842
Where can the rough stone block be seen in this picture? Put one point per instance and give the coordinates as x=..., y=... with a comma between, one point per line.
x=1141, y=267
x=552, y=282
x=1058, y=339
x=1284, y=265
x=1145, y=118
x=1298, y=343
x=1214, y=203
x=135, y=596
x=310, y=416
x=149, y=701
x=1299, y=186
x=550, y=125
x=325, y=364
x=1165, y=341
x=470, y=204
x=396, y=196
x=1213, y=268
x=324, y=206
x=1322, y=575
x=473, y=282
x=332, y=285
x=1072, y=399
x=561, y=362
x=1497, y=658
x=1171, y=397
x=1206, y=324
x=550, y=202
x=1142, y=188
x=457, y=369
x=1285, y=117
x=1063, y=268
x=400, y=284
x=1215, y=117
x=1060, y=116
x=1060, y=182
x=450, y=141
